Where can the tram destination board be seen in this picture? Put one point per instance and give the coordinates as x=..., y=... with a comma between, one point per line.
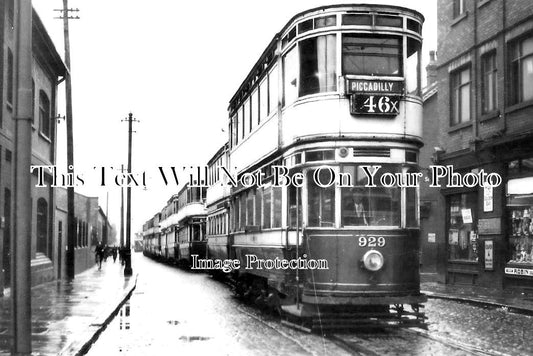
x=375, y=104
x=374, y=97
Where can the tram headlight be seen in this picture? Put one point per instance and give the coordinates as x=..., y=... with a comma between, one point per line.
x=373, y=260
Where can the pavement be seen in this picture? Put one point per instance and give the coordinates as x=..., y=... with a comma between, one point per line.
x=68, y=316
x=513, y=300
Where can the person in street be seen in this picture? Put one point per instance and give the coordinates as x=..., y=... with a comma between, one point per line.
x=115, y=254
x=99, y=254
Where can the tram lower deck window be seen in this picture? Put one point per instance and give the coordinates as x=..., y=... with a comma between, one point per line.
x=371, y=55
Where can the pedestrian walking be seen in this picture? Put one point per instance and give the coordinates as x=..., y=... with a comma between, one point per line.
x=115, y=252
x=99, y=255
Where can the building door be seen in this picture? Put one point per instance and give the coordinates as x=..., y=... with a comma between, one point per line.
x=7, y=237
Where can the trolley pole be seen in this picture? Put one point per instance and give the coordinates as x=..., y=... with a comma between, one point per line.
x=71, y=223
x=21, y=246
x=121, y=211
x=127, y=256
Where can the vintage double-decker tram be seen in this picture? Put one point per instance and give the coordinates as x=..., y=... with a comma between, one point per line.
x=151, y=237
x=190, y=217
x=336, y=92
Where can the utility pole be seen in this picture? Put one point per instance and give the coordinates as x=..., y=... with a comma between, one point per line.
x=21, y=246
x=106, y=235
x=71, y=223
x=122, y=211
x=127, y=269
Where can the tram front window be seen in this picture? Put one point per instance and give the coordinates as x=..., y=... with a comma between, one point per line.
x=371, y=55
x=370, y=206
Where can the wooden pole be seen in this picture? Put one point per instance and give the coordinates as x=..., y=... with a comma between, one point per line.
x=21, y=256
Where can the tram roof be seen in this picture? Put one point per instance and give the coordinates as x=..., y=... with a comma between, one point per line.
x=272, y=44
x=361, y=7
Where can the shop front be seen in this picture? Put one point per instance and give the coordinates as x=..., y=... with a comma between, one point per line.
x=519, y=209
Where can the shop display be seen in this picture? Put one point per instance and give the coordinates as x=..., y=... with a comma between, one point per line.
x=521, y=239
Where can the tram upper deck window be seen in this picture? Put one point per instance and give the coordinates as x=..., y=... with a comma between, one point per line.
x=376, y=55
x=370, y=206
x=412, y=75
x=317, y=65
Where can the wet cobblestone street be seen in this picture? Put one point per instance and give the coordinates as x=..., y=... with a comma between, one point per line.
x=177, y=312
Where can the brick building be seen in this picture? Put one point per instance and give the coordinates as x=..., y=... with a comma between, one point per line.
x=47, y=68
x=92, y=226
x=485, y=119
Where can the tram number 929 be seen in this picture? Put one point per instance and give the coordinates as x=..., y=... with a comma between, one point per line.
x=371, y=241
x=375, y=104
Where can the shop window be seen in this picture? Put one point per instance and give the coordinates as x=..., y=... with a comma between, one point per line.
x=369, y=206
x=320, y=201
x=460, y=96
x=520, y=214
x=489, y=90
x=371, y=55
x=317, y=67
x=521, y=71
x=462, y=235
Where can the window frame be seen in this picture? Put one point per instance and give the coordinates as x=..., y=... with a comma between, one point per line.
x=374, y=36
x=454, y=75
x=489, y=58
x=516, y=59
x=45, y=120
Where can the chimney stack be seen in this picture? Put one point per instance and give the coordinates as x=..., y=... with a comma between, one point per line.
x=431, y=68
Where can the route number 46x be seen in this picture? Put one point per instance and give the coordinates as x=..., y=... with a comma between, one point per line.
x=381, y=104
x=371, y=241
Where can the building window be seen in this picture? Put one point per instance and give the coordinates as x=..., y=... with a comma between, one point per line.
x=458, y=8
x=44, y=113
x=371, y=55
x=521, y=71
x=10, y=77
x=460, y=96
x=317, y=67
x=33, y=102
x=489, y=93
x=462, y=236
x=11, y=12
x=42, y=226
